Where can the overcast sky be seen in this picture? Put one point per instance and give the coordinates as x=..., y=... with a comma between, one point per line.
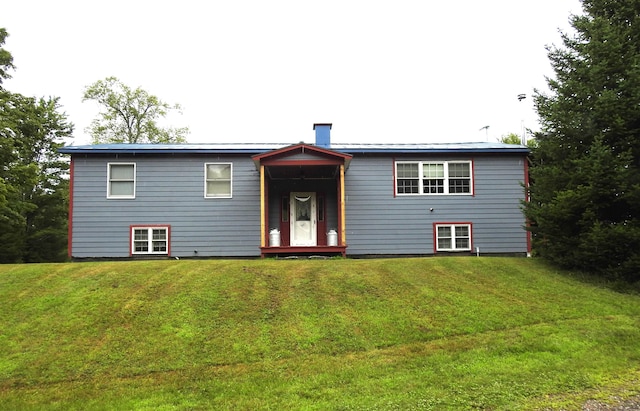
x=403, y=71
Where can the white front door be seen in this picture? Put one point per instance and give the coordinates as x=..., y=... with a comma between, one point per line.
x=302, y=219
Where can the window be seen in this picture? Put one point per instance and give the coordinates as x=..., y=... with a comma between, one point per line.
x=217, y=180
x=459, y=178
x=453, y=236
x=448, y=177
x=121, y=180
x=407, y=178
x=433, y=178
x=150, y=240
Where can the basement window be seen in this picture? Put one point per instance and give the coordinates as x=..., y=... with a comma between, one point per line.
x=150, y=240
x=452, y=236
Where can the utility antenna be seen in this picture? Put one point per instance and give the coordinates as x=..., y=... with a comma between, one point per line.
x=486, y=129
x=523, y=139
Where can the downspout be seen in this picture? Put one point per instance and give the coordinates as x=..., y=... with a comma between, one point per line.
x=263, y=224
x=70, y=217
x=527, y=199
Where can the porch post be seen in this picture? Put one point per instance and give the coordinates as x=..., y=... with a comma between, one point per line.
x=263, y=223
x=343, y=225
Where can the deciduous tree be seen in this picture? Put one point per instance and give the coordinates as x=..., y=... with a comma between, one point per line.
x=33, y=183
x=6, y=59
x=511, y=138
x=130, y=116
x=34, y=192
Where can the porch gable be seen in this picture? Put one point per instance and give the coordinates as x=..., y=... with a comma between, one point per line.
x=301, y=154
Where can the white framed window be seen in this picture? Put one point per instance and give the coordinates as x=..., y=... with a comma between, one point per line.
x=407, y=178
x=121, y=180
x=150, y=239
x=218, y=180
x=452, y=236
x=434, y=177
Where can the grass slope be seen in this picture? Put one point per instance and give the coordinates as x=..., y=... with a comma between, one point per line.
x=432, y=333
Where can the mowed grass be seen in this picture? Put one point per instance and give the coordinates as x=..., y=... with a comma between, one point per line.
x=379, y=334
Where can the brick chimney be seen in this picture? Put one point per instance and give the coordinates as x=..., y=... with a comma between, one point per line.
x=323, y=134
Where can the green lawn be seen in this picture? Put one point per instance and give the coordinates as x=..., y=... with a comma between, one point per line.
x=379, y=334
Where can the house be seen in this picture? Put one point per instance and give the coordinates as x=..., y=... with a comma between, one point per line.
x=250, y=200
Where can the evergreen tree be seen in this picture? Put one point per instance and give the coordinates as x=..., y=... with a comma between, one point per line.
x=585, y=173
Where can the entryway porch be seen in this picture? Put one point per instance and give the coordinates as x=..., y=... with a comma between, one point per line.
x=302, y=201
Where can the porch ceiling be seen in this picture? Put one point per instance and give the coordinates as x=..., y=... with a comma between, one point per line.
x=303, y=172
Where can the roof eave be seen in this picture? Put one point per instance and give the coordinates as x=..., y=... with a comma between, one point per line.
x=436, y=151
x=73, y=150
x=262, y=151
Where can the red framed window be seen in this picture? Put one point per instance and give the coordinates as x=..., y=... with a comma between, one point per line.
x=150, y=239
x=434, y=177
x=452, y=236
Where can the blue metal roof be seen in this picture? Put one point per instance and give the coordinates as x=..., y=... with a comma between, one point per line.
x=257, y=148
x=229, y=148
x=484, y=147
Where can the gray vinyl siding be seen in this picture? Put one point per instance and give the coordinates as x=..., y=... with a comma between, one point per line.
x=169, y=191
x=380, y=223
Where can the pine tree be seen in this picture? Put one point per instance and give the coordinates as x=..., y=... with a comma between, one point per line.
x=585, y=174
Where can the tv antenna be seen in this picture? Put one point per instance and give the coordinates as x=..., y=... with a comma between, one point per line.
x=486, y=130
x=523, y=139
